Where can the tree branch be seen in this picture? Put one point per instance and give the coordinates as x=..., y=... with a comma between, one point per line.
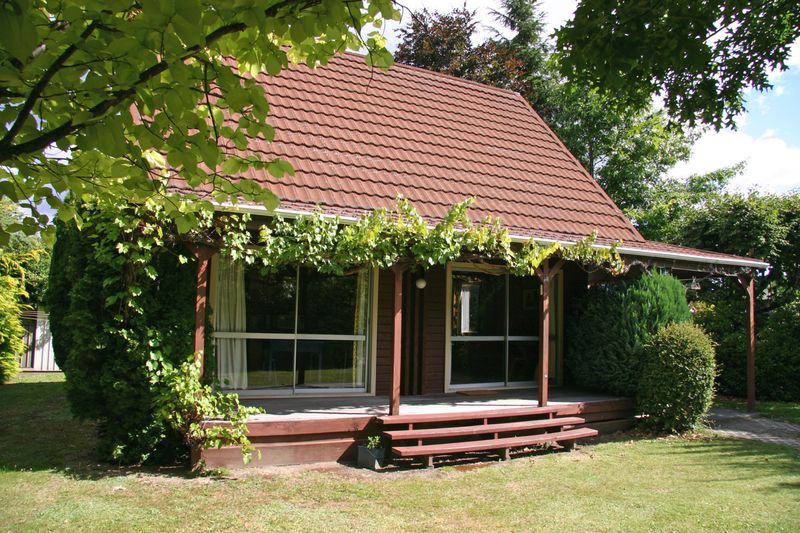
x=40, y=86
x=117, y=97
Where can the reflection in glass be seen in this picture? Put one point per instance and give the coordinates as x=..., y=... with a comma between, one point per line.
x=270, y=300
x=269, y=364
x=523, y=357
x=478, y=304
x=330, y=364
x=477, y=362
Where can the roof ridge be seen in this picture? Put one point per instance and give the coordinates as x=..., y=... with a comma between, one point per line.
x=436, y=73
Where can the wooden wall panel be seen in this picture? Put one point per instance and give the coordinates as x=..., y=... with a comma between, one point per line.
x=433, y=330
x=383, y=364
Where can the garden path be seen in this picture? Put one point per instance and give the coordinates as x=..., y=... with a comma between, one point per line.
x=754, y=426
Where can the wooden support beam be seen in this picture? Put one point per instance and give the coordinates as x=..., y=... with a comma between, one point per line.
x=544, y=273
x=747, y=282
x=203, y=255
x=397, y=337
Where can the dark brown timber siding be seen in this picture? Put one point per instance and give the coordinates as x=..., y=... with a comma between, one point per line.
x=433, y=329
x=383, y=365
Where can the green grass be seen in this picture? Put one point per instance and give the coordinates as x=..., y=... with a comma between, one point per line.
x=787, y=411
x=48, y=481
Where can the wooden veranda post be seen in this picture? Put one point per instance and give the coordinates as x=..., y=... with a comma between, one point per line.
x=397, y=332
x=748, y=283
x=546, y=273
x=203, y=255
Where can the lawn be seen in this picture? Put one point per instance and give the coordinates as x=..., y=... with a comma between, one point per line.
x=48, y=481
x=787, y=411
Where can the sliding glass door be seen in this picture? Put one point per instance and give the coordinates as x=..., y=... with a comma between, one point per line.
x=494, y=329
x=293, y=330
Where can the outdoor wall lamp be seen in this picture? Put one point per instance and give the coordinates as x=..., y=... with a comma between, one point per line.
x=421, y=283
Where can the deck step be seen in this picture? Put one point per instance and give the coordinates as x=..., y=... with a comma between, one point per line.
x=429, y=450
x=482, y=429
x=469, y=415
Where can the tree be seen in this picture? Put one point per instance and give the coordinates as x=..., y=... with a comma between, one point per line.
x=627, y=150
x=31, y=255
x=699, y=212
x=111, y=98
x=439, y=41
x=698, y=56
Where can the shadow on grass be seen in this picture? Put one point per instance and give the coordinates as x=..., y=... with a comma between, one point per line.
x=752, y=458
x=38, y=433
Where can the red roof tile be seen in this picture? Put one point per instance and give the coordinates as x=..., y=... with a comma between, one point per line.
x=358, y=137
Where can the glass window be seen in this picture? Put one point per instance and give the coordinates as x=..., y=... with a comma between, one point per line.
x=270, y=300
x=495, y=329
x=478, y=304
x=292, y=329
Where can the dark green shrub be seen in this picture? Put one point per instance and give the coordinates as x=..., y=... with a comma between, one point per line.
x=606, y=334
x=778, y=355
x=677, y=384
x=105, y=366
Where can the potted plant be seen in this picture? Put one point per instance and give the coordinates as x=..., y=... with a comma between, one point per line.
x=371, y=456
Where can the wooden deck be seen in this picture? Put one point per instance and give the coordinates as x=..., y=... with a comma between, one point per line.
x=308, y=430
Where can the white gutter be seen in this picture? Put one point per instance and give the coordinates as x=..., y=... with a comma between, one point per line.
x=625, y=250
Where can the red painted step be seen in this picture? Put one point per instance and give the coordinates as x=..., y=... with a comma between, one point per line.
x=469, y=415
x=429, y=450
x=460, y=431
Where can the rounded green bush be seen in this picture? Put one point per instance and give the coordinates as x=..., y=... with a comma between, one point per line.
x=677, y=384
x=606, y=334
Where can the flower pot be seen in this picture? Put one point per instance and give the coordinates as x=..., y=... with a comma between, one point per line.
x=371, y=458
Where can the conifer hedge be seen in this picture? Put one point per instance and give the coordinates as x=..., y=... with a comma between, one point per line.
x=106, y=371
x=611, y=325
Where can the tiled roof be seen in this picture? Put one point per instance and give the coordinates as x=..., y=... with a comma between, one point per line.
x=358, y=137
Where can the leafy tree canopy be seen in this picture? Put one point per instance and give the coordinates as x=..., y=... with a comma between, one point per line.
x=30, y=255
x=698, y=56
x=627, y=150
x=100, y=97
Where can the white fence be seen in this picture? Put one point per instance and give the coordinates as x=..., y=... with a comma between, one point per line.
x=38, y=355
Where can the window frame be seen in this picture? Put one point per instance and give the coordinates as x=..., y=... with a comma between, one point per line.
x=506, y=338
x=369, y=339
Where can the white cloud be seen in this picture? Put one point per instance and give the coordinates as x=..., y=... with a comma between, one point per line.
x=772, y=164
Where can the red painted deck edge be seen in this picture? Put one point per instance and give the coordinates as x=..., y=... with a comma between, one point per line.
x=285, y=442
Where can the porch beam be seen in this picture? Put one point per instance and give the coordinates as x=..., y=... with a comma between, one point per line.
x=545, y=274
x=203, y=255
x=397, y=339
x=747, y=281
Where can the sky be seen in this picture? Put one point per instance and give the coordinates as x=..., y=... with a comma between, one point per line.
x=767, y=137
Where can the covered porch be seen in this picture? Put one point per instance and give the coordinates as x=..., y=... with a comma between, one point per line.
x=307, y=430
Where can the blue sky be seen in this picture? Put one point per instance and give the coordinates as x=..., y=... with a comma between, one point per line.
x=767, y=137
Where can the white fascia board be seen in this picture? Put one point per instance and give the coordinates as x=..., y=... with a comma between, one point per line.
x=625, y=250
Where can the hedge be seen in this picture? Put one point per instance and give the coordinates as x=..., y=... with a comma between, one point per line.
x=612, y=323
x=676, y=388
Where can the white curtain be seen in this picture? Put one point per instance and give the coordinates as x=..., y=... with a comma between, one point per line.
x=230, y=316
x=360, y=328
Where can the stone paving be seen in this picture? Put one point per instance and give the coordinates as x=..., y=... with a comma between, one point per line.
x=740, y=425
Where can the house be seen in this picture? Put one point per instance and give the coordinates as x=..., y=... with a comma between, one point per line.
x=331, y=353
x=38, y=354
